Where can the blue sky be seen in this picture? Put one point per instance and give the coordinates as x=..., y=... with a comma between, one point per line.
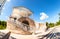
x=43, y=10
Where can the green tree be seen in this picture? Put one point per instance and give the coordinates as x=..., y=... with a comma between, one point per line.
x=51, y=24
x=47, y=24
x=58, y=23
x=0, y=22
x=3, y=24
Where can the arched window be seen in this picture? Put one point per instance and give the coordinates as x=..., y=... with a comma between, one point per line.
x=25, y=22
x=15, y=19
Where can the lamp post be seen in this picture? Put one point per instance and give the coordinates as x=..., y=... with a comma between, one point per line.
x=2, y=2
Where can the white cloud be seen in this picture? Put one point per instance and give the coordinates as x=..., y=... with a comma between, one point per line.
x=43, y=16
x=8, y=0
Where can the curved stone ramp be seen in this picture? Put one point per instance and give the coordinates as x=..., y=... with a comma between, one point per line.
x=17, y=36
x=54, y=34
x=11, y=37
x=4, y=36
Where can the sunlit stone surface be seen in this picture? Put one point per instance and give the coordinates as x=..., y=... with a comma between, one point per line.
x=54, y=34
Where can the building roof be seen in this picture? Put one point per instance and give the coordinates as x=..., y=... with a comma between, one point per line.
x=24, y=11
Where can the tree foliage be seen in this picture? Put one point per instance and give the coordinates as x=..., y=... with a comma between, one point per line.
x=3, y=24
x=49, y=25
x=58, y=23
x=52, y=24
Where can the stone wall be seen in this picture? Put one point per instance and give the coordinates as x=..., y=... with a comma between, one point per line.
x=14, y=29
x=31, y=22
